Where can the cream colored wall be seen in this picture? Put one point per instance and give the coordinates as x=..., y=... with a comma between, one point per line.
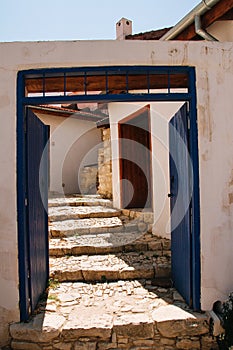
x=160, y=114
x=214, y=76
x=222, y=30
x=8, y=213
x=215, y=125
x=74, y=143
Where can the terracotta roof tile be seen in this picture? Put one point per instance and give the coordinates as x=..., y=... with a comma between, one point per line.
x=152, y=35
x=65, y=111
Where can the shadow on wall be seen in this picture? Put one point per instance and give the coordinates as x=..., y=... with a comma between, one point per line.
x=82, y=156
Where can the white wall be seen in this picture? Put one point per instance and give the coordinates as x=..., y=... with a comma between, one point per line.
x=160, y=114
x=214, y=78
x=215, y=125
x=74, y=143
x=8, y=212
x=222, y=30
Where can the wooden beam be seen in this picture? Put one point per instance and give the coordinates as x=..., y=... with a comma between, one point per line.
x=228, y=16
x=219, y=10
x=115, y=83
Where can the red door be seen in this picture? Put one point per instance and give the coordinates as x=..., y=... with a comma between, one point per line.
x=135, y=160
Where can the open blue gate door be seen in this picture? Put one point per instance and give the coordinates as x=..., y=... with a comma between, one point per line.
x=37, y=207
x=180, y=195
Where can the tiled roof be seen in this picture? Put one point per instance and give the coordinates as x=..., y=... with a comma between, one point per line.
x=103, y=123
x=221, y=10
x=152, y=35
x=84, y=114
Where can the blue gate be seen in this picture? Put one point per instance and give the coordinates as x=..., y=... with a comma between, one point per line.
x=118, y=84
x=180, y=197
x=36, y=261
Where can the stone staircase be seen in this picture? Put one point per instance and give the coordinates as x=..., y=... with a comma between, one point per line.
x=110, y=285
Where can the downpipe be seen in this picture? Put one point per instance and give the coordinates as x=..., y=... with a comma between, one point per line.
x=199, y=10
x=201, y=32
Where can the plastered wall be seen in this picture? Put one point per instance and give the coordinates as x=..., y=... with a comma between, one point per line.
x=214, y=77
x=8, y=214
x=74, y=143
x=160, y=114
x=222, y=30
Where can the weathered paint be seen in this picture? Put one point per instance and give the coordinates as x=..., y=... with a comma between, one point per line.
x=214, y=73
x=180, y=193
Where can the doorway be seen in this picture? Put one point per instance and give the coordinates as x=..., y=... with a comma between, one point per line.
x=104, y=85
x=135, y=160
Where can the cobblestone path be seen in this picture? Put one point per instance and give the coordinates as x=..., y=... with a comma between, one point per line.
x=110, y=285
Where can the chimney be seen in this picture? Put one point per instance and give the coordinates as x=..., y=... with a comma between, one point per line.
x=123, y=28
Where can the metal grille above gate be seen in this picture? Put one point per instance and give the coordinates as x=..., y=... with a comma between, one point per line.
x=121, y=83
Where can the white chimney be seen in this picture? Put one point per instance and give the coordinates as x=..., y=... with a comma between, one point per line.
x=123, y=28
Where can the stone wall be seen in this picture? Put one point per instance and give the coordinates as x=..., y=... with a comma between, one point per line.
x=105, y=165
x=142, y=333
x=88, y=180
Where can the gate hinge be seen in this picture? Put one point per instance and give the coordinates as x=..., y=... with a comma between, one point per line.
x=189, y=124
x=25, y=202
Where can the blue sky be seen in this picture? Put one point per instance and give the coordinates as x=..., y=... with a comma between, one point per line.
x=26, y=20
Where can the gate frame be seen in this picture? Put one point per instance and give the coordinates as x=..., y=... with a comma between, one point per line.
x=23, y=101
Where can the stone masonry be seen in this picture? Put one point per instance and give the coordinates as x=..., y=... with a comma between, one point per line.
x=110, y=286
x=88, y=180
x=105, y=165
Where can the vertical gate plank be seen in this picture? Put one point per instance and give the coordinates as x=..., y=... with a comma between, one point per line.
x=180, y=182
x=37, y=174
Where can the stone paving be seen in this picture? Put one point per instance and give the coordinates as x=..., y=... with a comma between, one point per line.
x=111, y=242
x=78, y=200
x=132, y=315
x=81, y=212
x=85, y=226
x=109, y=267
x=106, y=288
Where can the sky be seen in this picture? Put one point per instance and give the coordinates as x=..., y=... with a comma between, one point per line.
x=39, y=20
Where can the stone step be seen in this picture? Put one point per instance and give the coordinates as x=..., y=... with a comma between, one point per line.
x=117, y=315
x=80, y=227
x=79, y=200
x=106, y=243
x=111, y=267
x=81, y=212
